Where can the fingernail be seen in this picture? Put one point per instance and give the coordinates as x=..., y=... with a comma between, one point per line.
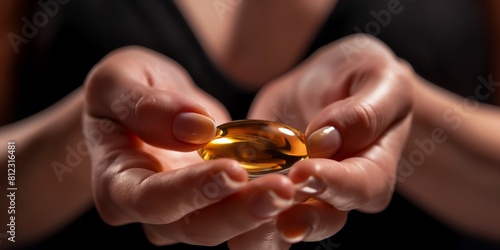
x=311, y=185
x=220, y=185
x=269, y=204
x=295, y=236
x=324, y=142
x=193, y=128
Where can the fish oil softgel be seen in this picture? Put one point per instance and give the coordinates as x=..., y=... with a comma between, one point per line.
x=261, y=147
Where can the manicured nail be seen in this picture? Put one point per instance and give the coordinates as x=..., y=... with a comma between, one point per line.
x=269, y=204
x=295, y=236
x=193, y=128
x=311, y=185
x=324, y=142
x=299, y=223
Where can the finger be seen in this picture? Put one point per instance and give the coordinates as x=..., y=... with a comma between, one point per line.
x=312, y=220
x=120, y=88
x=256, y=204
x=129, y=187
x=263, y=237
x=375, y=82
x=364, y=181
x=346, y=126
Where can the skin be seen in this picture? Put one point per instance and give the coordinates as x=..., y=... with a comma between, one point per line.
x=167, y=166
x=60, y=197
x=358, y=173
x=58, y=200
x=143, y=156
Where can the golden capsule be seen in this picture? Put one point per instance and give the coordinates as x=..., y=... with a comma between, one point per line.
x=261, y=147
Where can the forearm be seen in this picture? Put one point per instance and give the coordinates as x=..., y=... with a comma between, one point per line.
x=451, y=165
x=52, y=168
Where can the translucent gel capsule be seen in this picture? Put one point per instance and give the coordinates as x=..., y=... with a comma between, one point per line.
x=261, y=147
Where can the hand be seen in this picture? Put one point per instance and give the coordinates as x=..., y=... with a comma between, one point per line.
x=353, y=101
x=144, y=119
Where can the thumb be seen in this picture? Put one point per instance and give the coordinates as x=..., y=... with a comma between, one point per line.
x=349, y=125
x=160, y=118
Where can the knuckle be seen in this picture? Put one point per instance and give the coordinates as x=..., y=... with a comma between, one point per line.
x=142, y=103
x=368, y=118
x=105, y=206
x=104, y=71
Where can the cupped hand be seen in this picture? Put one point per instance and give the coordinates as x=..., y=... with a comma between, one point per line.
x=144, y=120
x=353, y=100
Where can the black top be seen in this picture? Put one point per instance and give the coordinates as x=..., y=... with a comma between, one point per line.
x=443, y=40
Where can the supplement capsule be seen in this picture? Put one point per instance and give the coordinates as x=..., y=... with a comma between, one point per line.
x=261, y=147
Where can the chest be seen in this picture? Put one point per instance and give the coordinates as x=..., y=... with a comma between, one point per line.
x=252, y=42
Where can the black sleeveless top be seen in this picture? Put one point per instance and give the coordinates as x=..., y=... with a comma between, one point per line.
x=443, y=40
